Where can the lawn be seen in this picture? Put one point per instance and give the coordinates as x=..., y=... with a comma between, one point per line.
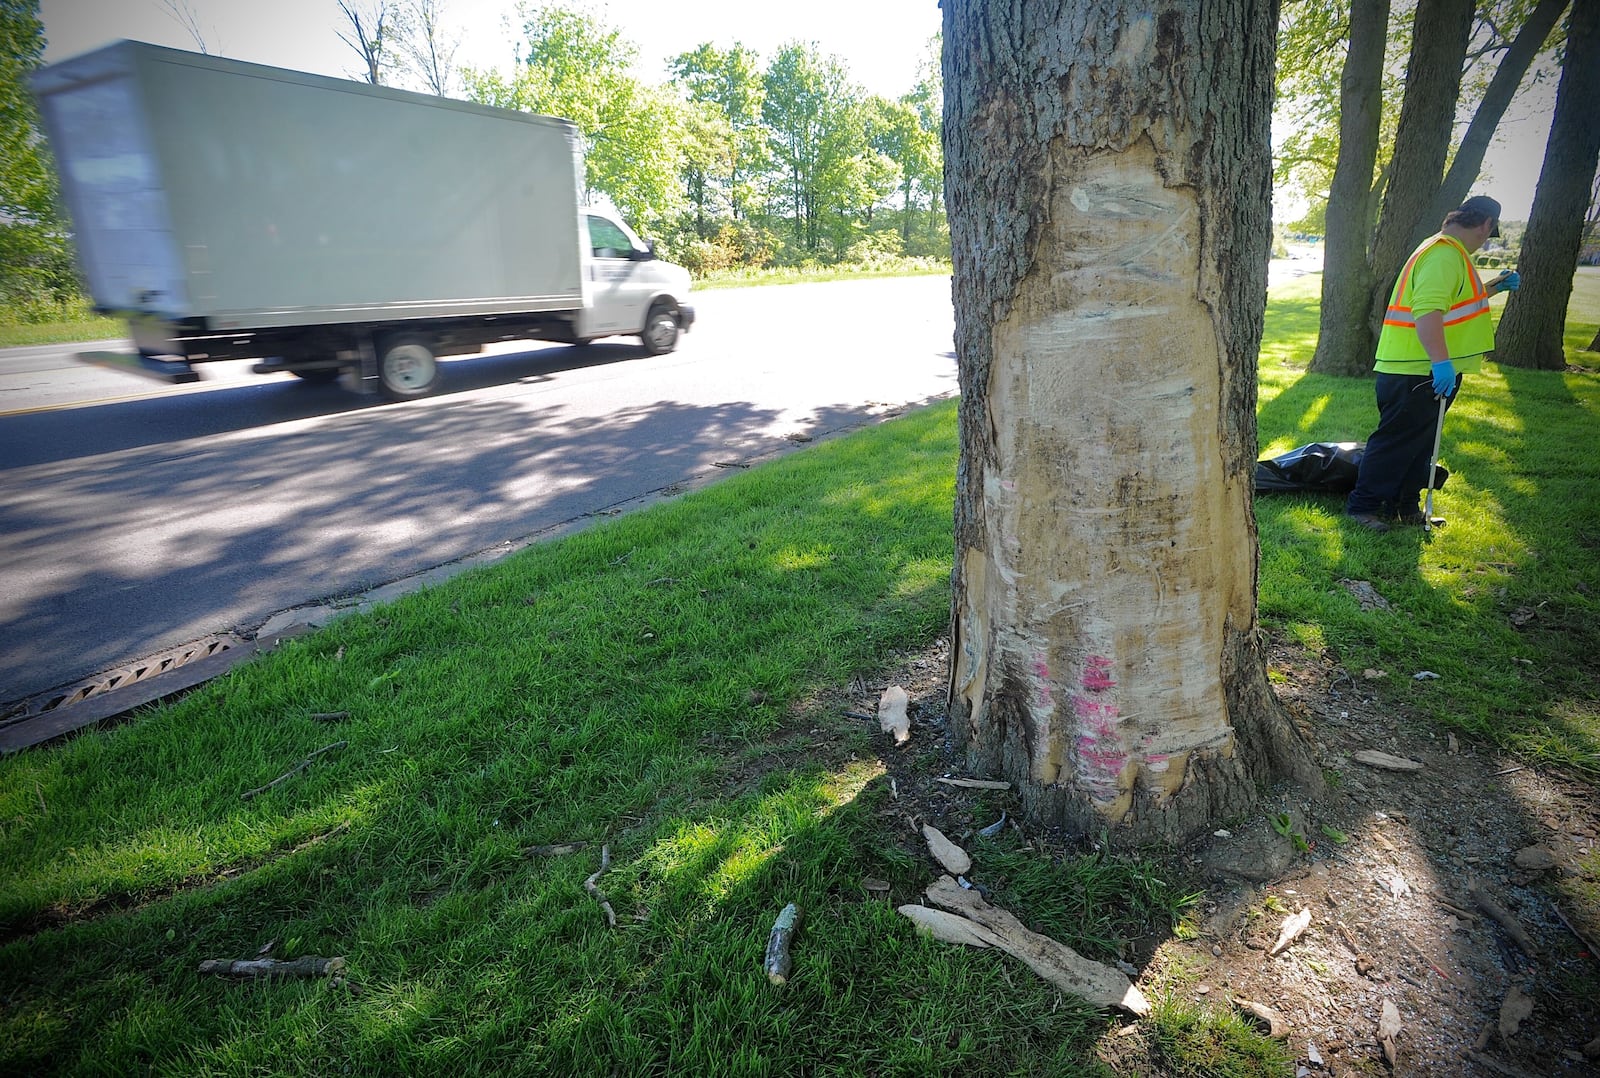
x=659, y=686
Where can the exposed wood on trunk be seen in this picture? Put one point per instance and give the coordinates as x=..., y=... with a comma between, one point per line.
x=1107, y=172
x=309, y=966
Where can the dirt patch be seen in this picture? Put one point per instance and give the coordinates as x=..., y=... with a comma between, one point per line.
x=1390, y=864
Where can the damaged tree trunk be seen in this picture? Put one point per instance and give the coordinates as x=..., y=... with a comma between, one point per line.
x=1108, y=185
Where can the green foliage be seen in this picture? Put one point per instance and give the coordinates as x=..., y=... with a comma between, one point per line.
x=574, y=66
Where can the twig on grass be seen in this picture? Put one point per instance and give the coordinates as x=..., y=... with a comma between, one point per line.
x=1571, y=928
x=296, y=769
x=559, y=849
x=596, y=893
x=330, y=716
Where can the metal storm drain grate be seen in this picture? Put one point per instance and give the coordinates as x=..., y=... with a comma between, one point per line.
x=122, y=677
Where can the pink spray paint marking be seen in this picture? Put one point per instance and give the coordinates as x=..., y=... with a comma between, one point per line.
x=1100, y=749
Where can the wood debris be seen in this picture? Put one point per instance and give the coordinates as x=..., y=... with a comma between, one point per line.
x=1292, y=927
x=976, y=784
x=1502, y=917
x=778, y=962
x=596, y=893
x=953, y=858
x=1389, y=1028
x=1516, y=1009
x=559, y=849
x=1383, y=761
x=1276, y=1025
x=892, y=718
x=966, y=918
x=309, y=966
x=296, y=769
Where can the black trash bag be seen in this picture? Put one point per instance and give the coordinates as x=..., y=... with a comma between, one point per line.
x=1319, y=468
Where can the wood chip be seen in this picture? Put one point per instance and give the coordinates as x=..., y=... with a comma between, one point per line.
x=954, y=859
x=1385, y=762
x=977, y=784
x=1389, y=1028
x=892, y=718
x=1277, y=1026
x=1292, y=927
x=1515, y=1010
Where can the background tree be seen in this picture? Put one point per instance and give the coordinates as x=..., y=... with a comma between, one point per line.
x=815, y=127
x=427, y=47
x=183, y=13
x=1352, y=198
x=37, y=277
x=729, y=81
x=1107, y=179
x=372, y=29
x=574, y=66
x=1530, y=330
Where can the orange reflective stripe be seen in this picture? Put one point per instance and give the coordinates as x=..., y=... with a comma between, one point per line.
x=1399, y=315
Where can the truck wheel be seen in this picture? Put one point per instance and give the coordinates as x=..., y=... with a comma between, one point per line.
x=660, y=334
x=406, y=369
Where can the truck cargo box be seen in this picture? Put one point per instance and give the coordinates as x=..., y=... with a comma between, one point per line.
x=232, y=196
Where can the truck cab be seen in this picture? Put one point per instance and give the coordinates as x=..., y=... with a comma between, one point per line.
x=627, y=289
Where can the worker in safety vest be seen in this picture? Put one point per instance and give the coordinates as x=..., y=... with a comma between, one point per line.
x=1437, y=327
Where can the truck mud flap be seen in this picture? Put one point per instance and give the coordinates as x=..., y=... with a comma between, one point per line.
x=171, y=371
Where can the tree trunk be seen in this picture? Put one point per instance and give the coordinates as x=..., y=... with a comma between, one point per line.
x=1468, y=160
x=1530, y=330
x=1343, y=346
x=1108, y=191
x=1422, y=142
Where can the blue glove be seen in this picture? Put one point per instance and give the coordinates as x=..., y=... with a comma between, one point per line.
x=1510, y=282
x=1444, y=378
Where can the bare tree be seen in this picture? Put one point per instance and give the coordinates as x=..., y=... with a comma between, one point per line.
x=372, y=26
x=183, y=11
x=428, y=49
x=1108, y=178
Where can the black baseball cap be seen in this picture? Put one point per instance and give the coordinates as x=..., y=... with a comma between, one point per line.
x=1485, y=205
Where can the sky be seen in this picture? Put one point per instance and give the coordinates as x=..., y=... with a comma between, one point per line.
x=881, y=42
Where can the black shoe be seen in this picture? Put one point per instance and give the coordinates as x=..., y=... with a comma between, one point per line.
x=1370, y=521
x=1416, y=519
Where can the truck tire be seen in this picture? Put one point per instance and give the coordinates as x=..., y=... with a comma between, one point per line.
x=660, y=334
x=407, y=368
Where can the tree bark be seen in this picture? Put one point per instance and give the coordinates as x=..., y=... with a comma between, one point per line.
x=1108, y=191
x=1530, y=330
x=1343, y=346
x=1421, y=145
x=1468, y=161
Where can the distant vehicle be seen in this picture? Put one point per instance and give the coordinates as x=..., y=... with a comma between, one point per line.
x=233, y=211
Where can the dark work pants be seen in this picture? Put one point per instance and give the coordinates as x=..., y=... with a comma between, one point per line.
x=1394, y=467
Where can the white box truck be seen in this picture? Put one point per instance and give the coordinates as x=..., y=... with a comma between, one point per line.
x=233, y=211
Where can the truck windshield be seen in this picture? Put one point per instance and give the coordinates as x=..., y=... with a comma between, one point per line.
x=608, y=240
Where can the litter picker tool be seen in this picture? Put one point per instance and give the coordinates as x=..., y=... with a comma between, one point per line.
x=1433, y=465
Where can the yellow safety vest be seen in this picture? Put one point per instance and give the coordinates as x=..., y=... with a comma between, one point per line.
x=1468, y=327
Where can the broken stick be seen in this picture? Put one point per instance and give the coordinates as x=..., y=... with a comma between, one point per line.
x=309, y=966
x=1502, y=917
x=778, y=962
x=295, y=770
x=595, y=892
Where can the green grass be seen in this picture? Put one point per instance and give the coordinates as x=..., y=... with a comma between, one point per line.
x=88, y=328
x=643, y=685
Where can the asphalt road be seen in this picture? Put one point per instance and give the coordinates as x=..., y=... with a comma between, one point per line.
x=135, y=518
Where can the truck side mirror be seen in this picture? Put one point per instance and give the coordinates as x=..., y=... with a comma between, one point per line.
x=647, y=254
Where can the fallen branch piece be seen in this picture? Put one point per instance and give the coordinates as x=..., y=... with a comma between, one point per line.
x=954, y=859
x=1591, y=948
x=977, y=784
x=1502, y=917
x=330, y=716
x=309, y=966
x=595, y=892
x=892, y=714
x=972, y=921
x=1497, y=1066
x=1290, y=931
x=778, y=963
x=559, y=849
x=1389, y=1028
x=1277, y=1025
x=296, y=769
x=1516, y=1009
x=1384, y=762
